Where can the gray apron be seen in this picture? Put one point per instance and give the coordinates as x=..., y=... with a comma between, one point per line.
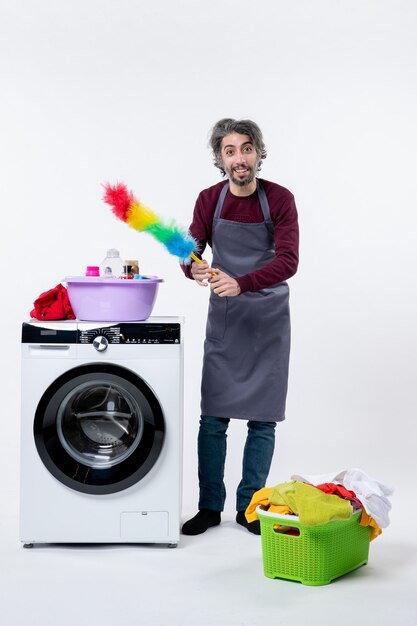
x=247, y=346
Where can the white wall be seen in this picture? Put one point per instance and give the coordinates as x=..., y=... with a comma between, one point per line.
x=102, y=90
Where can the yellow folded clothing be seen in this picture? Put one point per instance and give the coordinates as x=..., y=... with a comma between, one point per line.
x=261, y=498
x=312, y=505
x=282, y=509
x=367, y=520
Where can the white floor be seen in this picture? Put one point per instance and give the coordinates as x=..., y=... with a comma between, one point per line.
x=214, y=579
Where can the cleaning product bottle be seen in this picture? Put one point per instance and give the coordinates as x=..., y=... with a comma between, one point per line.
x=134, y=263
x=127, y=273
x=112, y=265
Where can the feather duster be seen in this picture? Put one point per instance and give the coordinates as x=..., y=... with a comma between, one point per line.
x=176, y=239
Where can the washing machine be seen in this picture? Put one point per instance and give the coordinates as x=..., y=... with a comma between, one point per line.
x=101, y=431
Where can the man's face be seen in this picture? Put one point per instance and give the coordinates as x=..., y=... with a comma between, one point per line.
x=239, y=159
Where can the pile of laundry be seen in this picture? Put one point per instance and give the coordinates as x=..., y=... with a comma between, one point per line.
x=321, y=498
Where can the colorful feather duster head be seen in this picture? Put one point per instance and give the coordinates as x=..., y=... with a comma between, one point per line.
x=127, y=208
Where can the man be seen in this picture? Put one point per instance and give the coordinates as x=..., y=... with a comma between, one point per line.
x=252, y=227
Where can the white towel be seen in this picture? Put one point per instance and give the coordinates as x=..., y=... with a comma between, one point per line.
x=369, y=491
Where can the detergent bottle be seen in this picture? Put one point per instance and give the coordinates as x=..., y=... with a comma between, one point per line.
x=112, y=265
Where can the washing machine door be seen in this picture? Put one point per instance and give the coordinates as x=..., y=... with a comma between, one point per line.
x=99, y=428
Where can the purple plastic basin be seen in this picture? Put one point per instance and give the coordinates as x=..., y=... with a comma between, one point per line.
x=112, y=299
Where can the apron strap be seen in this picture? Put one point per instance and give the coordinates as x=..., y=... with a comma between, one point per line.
x=220, y=201
x=263, y=201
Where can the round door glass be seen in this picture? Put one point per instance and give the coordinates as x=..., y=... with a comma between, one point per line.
x=99, y=428
x=99, y=424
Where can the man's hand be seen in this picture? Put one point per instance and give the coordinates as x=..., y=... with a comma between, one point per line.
x=201, y=272
x=223, y=285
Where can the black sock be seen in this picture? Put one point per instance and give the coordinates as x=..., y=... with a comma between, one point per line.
x=205, y=518
x=252, y=527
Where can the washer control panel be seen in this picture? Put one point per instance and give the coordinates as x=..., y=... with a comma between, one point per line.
x=131, y=334
x=99, y=336
x=102, y=334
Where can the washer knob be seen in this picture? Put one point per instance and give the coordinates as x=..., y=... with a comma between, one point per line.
x=100, y=343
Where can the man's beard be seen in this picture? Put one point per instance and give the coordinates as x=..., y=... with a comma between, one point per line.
x=243, y=182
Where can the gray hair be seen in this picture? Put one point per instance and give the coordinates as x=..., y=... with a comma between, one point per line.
x=228, y=125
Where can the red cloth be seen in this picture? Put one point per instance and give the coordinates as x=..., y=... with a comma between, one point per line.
x=53, y=305
x=339, y=490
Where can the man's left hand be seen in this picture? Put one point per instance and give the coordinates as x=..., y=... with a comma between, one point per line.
x=224, y=285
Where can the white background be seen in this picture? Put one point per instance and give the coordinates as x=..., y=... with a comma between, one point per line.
x=105, y=90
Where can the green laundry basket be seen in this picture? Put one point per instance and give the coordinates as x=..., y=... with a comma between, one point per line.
x=315, y=556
